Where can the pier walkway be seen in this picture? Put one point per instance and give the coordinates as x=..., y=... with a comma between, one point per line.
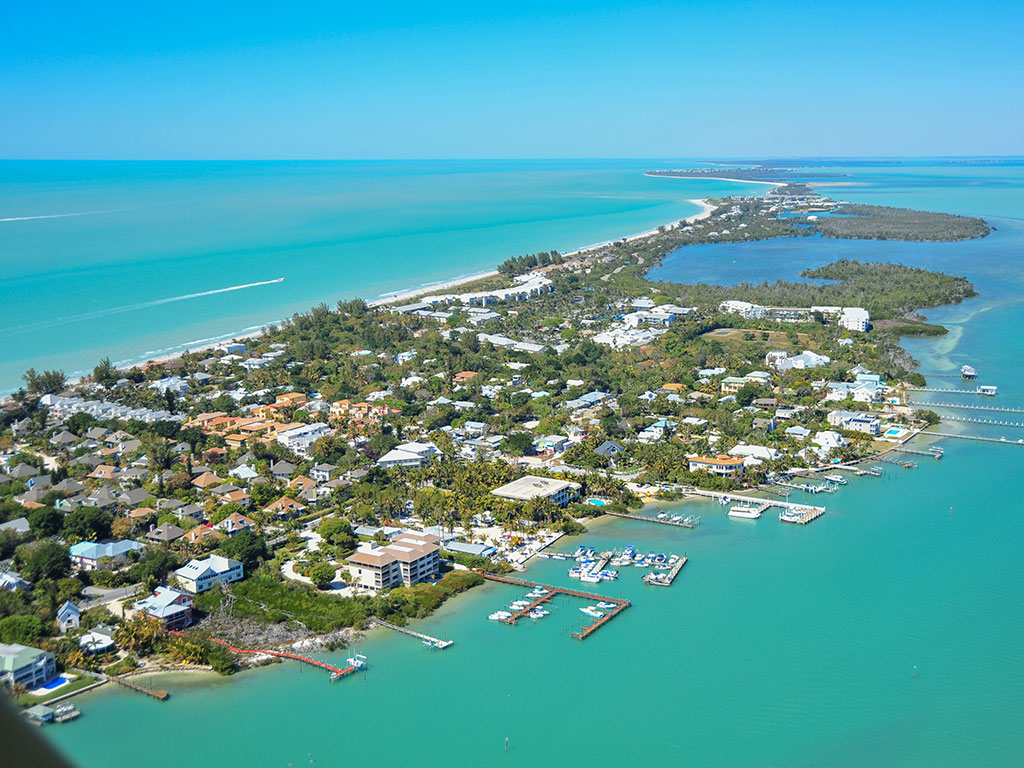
x=730, y=497
x=158, y=694
x=427, y=639
x=964, y=406
x=932, y=453
x=552, y=592
x=666, y=579
x=947, y=390
x=979, y=438
x=642, y=518
x=989, y=422
x=336, y=672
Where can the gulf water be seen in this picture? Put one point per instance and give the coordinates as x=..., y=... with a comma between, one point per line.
x=885, y=633
x=138, y=259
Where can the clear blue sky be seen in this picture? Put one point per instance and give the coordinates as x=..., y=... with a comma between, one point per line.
x=528, y=79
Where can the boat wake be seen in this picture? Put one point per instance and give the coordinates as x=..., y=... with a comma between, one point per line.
x=129, y=308
x=55, y=215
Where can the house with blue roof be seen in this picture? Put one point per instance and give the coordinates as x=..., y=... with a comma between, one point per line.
x=87, y=555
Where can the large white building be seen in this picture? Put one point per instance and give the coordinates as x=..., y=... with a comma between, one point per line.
x=855, y=319
x=410, y=559
x=528, y=487
x=744, y=309
x=301, y=439
x=408, y=455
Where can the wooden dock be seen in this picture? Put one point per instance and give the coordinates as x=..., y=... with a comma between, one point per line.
x=932, y=454
x=669, y=577
x=156, y=694
x=897, y=462
x=812, y=513
x=979, y=438
x=336, y=672
x=551, y=592
x=645, y=519
x=740, y=498
x=427, y=639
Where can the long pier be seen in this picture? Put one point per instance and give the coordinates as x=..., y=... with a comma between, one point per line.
x=966, y=407
x=336, y=672
x=947, y=390
x=668, y=578
x=643, y=518
x=551, y=592
x=427, y=639
x=156, y=694
x=989, y=422
x=897, y=462
x=933, y=454
x=979, y=438
x=730, y=497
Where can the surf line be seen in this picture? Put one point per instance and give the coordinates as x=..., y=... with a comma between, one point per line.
x=133, y=307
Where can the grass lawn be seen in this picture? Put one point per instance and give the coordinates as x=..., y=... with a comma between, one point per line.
x=82, y=681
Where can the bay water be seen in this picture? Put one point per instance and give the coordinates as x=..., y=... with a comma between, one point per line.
x=885, y=633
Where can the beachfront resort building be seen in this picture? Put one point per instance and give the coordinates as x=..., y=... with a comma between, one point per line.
x=26, y=666
x=201, y=575
x=410, y=559
x=530, y=487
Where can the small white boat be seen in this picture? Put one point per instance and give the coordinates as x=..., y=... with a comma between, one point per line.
x=590, y=578
x=591, y=611
x=358, y=661
x=575, y=573
x=606, y=605
x=537, y=613
x=500, y=616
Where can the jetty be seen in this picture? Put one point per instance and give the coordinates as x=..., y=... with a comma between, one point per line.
x=552, y=592
x=659, y=579
x=336, y=672
x=932, y=453
x=645, y=519
x=126, y=683
x=433, y=642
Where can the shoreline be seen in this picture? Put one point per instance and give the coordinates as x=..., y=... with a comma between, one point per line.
x=401, y=296
x=716, y=178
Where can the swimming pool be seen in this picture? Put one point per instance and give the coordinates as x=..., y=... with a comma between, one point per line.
x=57, y=682
x=597, y=502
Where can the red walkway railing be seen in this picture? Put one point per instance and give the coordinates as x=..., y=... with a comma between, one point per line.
x=335, y=671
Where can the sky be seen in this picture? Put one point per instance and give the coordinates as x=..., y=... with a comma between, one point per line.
x=253, y=80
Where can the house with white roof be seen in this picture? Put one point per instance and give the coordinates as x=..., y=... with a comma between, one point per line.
x=409, y=455
x=201, y=575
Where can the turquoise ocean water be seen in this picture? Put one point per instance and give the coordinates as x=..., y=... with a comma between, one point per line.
x=777, y=645
x=138, y=259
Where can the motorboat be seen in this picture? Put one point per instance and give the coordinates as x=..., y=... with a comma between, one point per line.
x=745, y=512
x=591, y=611
x=500, y=616
x=606, y=605
x=358, y=661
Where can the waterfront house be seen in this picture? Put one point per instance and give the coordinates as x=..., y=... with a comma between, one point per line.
x=25, y=666
x=170, y=607
x=724, y=465
x=201, y=575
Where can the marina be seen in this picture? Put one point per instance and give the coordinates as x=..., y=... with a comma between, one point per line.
x=660, y=579
x=551, y=592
